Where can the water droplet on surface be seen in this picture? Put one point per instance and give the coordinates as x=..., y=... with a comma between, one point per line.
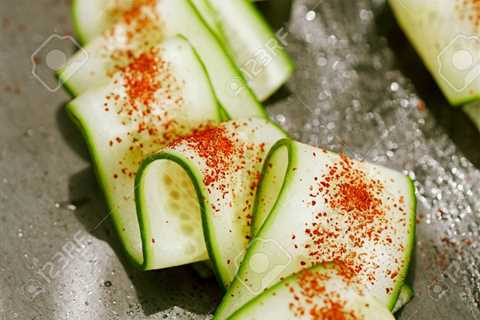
x=322, y=62
x=394, y=86
x=280, y=118
x=366, y=15
x=310, y=16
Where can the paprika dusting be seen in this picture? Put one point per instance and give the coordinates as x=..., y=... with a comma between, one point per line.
x=350, y=225
x=231, y=167
x=216, y=147
x=138, y=19
x=148, y=105
x=468, y=10
x=311, y=298
x=135, y=29
x=141, y=80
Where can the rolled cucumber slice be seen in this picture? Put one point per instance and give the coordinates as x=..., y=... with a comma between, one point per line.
x=328, y=208
x=318, y=293
x=147, y=25
x=221, y=167
x=122, y=125
x=255, y=47
x=446, y=36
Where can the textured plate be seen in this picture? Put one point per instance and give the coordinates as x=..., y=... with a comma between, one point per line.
x=359, y=89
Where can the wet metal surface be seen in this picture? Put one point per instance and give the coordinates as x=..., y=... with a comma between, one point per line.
x=358, y=89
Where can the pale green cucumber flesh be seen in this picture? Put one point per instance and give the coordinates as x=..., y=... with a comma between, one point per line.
x=446, y=39
x=177, y=17
x=208, y=15
x=289, y=216
x=101, y=130
x=296, y=298
x=237, y=23
x=274, y=170
x=406, y=294
x=254, y=46
x=92, y=17
x=224, y=205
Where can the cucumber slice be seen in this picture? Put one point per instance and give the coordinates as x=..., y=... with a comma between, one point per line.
x=112, y=126
x=255, y=47
x=160, y=19
x=406, y=294
x=446, y=36
x=223, y=165
x=209, y=16
x=323, y=212
x=319, y=293
x=92, y=17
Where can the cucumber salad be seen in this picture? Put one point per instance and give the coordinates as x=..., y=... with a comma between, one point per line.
x=195, y=173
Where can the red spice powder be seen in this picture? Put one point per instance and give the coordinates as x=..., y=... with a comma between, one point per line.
x=141, y=79
x=332, y=311
x=347, y=189
x=358, y=217
x=143, y=29
x=312, y=292
x=216, y=147
x=468, y=10
x=232, y=167
x=153, y=97
x=139, y=18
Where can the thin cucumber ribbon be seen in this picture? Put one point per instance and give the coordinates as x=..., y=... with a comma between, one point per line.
x=372, y=229
x=195, y=199
x=323, y=291
x=314, y=206
x=242, y=32
x=121, y=130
